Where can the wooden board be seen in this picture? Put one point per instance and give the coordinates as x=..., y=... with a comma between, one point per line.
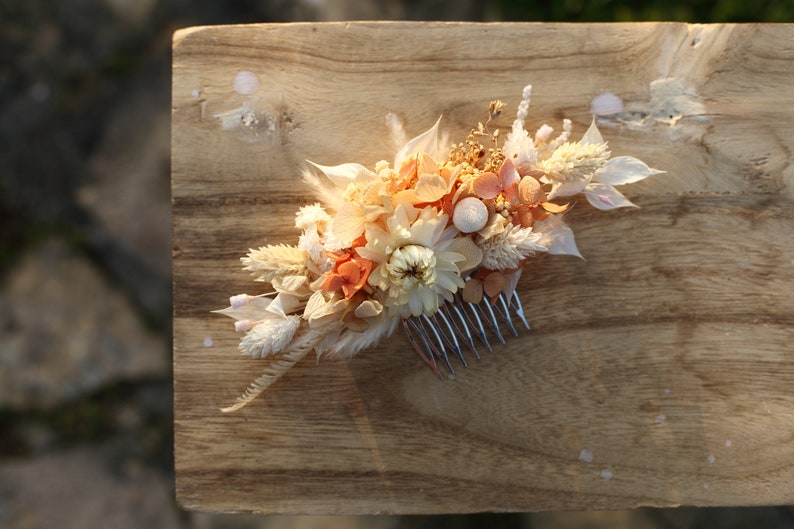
x=665, y=357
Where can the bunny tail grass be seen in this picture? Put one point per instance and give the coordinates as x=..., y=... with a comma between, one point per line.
x=275, y=371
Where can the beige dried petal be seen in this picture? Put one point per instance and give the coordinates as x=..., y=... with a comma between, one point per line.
x=368, y=309
x=469, y=250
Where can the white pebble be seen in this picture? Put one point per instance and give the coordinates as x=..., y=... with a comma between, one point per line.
x=208, y=342
x=606, y=474
x=660, y=419
x=728, y=443
x=711, y=458
x=586, y=455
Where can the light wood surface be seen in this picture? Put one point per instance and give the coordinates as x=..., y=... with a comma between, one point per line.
x=665, y=357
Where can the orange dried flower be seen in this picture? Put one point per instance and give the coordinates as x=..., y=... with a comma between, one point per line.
x=349, y=274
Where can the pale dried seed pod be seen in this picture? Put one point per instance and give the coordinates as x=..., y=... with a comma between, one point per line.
x=470, y=215
x=530, y=191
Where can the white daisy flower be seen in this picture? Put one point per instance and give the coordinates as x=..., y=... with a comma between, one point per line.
x=417, y=266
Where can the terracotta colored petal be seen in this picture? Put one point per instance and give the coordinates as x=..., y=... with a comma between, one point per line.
x=494, y=283
x=339, y=257
x=472, y=291
x=487, y=185
x=333, y=282
x=350, y=271
x=364, y=267
x=525, y=216
x=539, y=214
x=360, y=241
x=447, y=205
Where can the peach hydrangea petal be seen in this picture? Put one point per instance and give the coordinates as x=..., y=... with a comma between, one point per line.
x=487, y=185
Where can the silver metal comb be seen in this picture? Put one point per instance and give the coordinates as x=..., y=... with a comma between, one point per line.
x=457, y=324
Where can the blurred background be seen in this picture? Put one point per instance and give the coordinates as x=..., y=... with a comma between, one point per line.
x=85, y=288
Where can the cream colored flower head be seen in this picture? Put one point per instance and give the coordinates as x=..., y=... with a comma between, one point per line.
x=417, y=265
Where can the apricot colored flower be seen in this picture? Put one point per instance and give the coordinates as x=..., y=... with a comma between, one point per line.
x=350, y=274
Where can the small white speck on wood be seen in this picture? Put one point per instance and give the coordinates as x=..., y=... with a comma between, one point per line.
x=246, y=83
x=606, y=104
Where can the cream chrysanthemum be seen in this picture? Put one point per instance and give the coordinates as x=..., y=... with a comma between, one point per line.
x=507, y=249
x=416, y=262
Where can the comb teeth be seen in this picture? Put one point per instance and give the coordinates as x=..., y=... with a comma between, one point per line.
x=458, y=325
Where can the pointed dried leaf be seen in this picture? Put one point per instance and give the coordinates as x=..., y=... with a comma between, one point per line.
x=341, y=175
x=255, y=310
x=426, y=142
x=593, y=135
x=606, y=197
x=512, y=282
x=557, y=237
x=623, y=170
x=568, y=189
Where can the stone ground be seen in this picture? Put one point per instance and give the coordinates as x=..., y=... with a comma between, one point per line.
x=85, y=293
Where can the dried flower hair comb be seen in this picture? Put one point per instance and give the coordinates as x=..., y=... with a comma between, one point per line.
x=434, y=242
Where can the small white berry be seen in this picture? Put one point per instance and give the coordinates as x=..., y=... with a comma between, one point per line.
x=470, y=215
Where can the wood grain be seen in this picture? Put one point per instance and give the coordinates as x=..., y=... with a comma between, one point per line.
x=666, y=354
